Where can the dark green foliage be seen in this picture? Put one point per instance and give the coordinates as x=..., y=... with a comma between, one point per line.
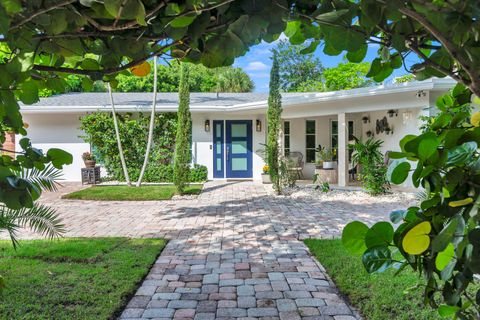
x=99, y=131
x=377, y=296
x=198, y=173
x=439, y=237
x=373, y=172
x=346, y=76
x=298, y=71
x=182, y=159
x=88, y=279
x=274, y=113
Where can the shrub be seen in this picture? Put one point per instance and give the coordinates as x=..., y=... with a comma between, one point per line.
x=373, y=171
x=274, y=113
x=198, y=173
x=440, y=237
x=99, y=132
x=181, y=162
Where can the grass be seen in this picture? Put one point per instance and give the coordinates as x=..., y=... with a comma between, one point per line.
x=73, y=278
x=378, y=296
x=125, y=193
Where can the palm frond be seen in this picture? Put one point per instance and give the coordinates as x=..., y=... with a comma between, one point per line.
x=40, y=218
x=8, y=224
x=45, y=179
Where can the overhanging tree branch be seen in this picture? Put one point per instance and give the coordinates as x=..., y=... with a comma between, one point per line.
x=104, y=71
x=45, y=10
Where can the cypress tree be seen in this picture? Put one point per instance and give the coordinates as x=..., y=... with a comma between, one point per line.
x=181, y=165
x=274, y=113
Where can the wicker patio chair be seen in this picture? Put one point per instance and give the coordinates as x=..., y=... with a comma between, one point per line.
x=295, y=160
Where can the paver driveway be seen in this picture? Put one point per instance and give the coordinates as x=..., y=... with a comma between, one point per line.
x=234, y=252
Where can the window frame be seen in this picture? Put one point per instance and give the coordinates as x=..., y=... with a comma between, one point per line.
x=307, y=134
x=286, y=136
x=350, y=150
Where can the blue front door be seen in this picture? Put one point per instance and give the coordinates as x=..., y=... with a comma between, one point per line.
x=238, y=151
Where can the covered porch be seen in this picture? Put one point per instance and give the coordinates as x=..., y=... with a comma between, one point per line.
x=336, y=125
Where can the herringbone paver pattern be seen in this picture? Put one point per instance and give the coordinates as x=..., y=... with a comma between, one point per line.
x=234, y=252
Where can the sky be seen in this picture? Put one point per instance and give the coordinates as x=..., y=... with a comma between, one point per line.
x=257, y=63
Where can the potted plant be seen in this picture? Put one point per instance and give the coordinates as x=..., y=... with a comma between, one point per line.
x=266, y=175
x=89, y=160
x=326, y=156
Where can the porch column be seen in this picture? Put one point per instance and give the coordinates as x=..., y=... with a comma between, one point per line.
x=342, y=151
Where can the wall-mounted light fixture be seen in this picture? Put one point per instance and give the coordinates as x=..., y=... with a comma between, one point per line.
x=407, y=116
x=207, y=125
x=421, y=93
x=258, y=125
x=366, y=119
x=392, y=112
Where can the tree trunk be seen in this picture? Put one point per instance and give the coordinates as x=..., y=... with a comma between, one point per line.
x=117, y=135
x=152, y=122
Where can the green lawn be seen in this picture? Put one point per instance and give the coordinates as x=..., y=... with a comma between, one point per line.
x=125, y=193
x=379, y=296
x=73, y=278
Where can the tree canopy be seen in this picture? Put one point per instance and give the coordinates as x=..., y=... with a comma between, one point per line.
x=298, y=71
x=346, y=76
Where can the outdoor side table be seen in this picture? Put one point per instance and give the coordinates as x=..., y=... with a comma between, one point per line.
x=91, y=175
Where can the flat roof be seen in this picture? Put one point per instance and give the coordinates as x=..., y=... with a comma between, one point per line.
x=211, y=101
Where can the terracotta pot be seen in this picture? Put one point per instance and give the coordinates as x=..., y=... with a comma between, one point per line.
x=266, y=178
x=90, y=163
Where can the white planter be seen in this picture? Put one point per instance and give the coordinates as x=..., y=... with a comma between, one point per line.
x=266, y=178
x=328, y=165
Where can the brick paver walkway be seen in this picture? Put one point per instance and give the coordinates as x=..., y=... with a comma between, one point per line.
x=234, y=252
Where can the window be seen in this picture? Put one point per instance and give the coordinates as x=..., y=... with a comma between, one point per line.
x=334, y=136
x=351, y=133
x=310, y=141
x=286, y=137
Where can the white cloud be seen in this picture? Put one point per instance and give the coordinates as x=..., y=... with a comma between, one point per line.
x=256, y=66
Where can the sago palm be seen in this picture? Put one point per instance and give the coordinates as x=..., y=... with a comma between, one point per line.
x=39, y=218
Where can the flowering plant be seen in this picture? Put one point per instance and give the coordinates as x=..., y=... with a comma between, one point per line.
x=266, y=169
x=87, y=156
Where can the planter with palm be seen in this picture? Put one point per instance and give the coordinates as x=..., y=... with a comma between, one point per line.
x=373, y=173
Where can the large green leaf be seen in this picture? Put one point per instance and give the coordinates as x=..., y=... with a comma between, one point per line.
x=451, y=233
x=183, y=21
x=397, y=216
x=427, y=147
x=29, y=92
x=380, y=234
x=398, y=171
x=357, y=56
x=445, y=257
x=59, y=157
x=353, y=237
x=447, y=311
x=461, y=154
x=377, y=259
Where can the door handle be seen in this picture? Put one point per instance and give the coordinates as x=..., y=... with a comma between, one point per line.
x=228, y=152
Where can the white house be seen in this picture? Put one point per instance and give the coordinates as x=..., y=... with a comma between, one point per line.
x=230, y=128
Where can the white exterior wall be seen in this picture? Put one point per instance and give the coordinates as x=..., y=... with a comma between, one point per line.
x=58, y=131
x=322, y=135
x=202, y=148
x=400, y=129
